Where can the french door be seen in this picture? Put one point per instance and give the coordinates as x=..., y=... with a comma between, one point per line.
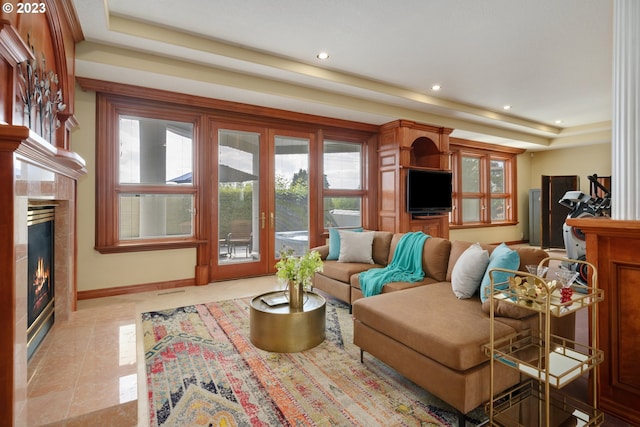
x=261, y=198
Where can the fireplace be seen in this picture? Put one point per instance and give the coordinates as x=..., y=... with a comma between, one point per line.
x=40, y=278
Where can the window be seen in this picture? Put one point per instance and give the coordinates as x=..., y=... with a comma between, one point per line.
x=145, y=165
x=342, y=187
x=484, y=184
x=155, y=153
x=156, y=158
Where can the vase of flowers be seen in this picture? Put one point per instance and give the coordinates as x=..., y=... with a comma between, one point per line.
x=297, y=272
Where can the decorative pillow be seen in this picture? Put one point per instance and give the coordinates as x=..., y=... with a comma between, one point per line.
x=468, y=271
x=334, y=242
x=501, y=257
x=356, y=247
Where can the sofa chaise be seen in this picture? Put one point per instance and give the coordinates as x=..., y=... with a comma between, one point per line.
x=423, y=330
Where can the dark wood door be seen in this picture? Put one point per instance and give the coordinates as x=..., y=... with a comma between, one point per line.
x=553, y=213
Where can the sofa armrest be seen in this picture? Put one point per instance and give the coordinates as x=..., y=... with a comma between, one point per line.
x=324, y=251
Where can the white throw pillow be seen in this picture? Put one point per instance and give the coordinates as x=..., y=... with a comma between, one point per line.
x=468, y=271
x=356, y=247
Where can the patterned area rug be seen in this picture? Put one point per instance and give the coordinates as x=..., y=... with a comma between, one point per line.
x=202, y=370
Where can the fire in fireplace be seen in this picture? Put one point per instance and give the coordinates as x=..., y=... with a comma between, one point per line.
x=40, y=286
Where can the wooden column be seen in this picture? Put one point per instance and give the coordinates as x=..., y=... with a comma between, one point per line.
x=614, y=248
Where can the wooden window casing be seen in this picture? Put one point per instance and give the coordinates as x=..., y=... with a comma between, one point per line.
x=108, y=188
x=485, y=154
x=114, y=100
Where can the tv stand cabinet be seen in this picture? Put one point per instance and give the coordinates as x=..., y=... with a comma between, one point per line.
x=405, y=144
x=433, y=225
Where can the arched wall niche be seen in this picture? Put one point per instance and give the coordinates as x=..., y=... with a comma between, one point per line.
x=424, y=153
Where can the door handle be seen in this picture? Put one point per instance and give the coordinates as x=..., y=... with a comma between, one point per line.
x=273, y=220
x=262, y=218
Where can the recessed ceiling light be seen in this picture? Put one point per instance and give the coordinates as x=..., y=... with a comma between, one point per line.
x=558, y=122
x=507, y=107
x=322, y=55
x=436, y=87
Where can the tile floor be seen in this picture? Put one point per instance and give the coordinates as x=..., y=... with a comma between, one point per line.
x=86, y=371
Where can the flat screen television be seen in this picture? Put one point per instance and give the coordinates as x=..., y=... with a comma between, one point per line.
x=428, y=191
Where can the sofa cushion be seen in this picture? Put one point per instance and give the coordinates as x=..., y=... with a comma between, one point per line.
x=529, y=256
x=356, y=247
x=469, y=271
x=506, y=309
x=435, y=255
x=501, y=257
x=334, y=242
x=342, y=271
x=394, y=286
x=435, y=258
x=433, y=322
x=381, y=247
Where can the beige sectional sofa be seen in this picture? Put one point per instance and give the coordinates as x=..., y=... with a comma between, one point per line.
x=423, y=330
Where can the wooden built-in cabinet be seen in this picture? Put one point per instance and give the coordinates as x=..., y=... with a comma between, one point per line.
x=405, y=144
x=613, y=247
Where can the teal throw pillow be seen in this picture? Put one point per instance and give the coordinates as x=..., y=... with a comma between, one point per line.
x=501, y=257
x=334, y=242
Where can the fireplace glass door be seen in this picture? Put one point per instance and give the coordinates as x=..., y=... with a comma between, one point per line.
x=40, y=286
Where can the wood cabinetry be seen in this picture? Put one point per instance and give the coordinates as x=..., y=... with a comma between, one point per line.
x=405, y=144
x=613, y=247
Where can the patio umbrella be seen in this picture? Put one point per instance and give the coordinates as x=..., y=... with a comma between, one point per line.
x=229, y=174
x=225, y=174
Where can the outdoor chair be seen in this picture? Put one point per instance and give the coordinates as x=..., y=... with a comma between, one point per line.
x=240, y=236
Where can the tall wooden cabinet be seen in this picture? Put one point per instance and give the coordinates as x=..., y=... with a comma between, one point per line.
x=405, y=144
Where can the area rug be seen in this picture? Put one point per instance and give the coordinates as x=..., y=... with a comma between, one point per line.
x=202, y=370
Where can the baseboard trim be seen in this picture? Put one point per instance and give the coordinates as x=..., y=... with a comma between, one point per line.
x=134, y=289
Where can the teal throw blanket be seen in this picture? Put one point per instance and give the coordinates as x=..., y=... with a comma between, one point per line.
x=405, y=266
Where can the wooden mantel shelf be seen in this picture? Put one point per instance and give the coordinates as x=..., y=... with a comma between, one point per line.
x=34, y=149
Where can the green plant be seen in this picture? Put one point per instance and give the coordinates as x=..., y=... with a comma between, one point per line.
x=291, y=268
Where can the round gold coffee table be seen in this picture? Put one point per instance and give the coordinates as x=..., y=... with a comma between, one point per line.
x=279, y=329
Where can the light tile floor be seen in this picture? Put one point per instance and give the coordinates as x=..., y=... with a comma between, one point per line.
x=86, y=372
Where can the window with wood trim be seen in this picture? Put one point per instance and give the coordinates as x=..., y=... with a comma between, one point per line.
x=147, y=199
x=485, y=184
x=342, y=183
x=146, y=192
